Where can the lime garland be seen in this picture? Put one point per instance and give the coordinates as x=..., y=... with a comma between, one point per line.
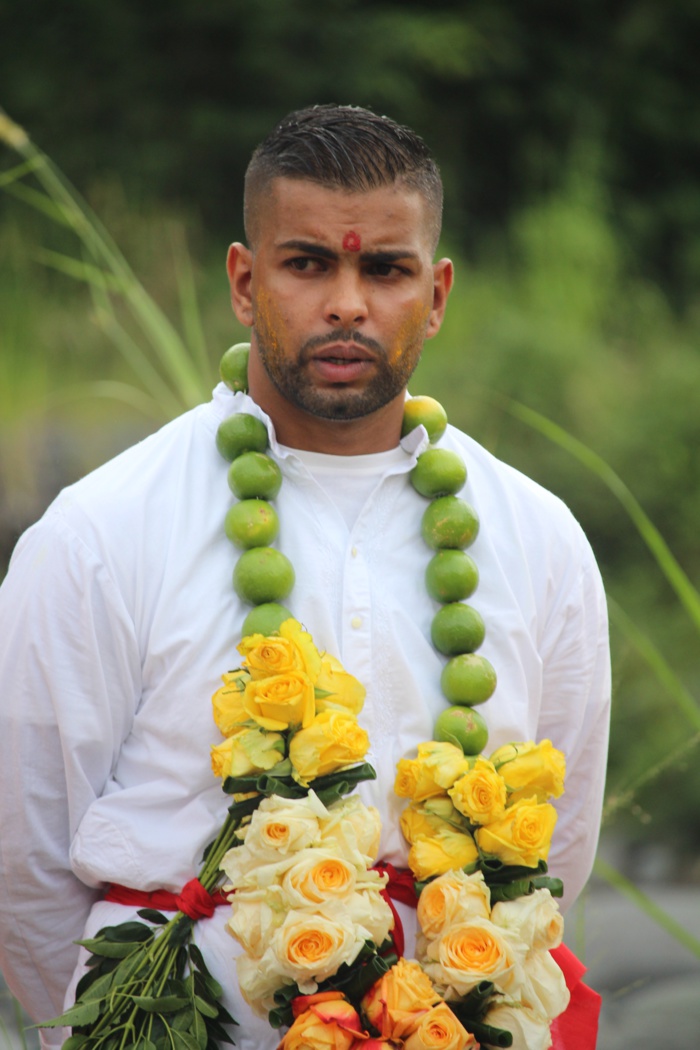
x=264, y=576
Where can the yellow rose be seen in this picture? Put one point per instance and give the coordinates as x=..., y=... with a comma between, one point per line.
x=471, y=952
x=421, y=820
x=441, y=853
x=450, y=899
x=523, y=834
x=325, y=1021
x=309, y=947
x=345, y=693
x=281, y=701
x=435, y=770
x=318, y=876
x=293, y=650
x=439, y=1029
x=247, y=751
x=396, y=1003
x=480, y=794
x=531, y=769
x=227, y=702
x=332, y=741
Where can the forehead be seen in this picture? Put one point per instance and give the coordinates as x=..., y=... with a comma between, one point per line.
x=299, y=209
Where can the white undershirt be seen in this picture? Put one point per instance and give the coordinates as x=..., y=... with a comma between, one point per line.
x=349, y=488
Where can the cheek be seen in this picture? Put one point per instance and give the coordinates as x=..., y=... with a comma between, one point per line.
x=268, y=323
x=410, y=333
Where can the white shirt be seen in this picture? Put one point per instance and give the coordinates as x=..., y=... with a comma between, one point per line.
x=118, y=618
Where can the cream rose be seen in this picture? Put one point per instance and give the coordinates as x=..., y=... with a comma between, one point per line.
x=530, y=1031
x=255, y=915
x=259, y=979
x=544, y=988
x=471, y=952
x=534, y=919
x=450, y=899
x=278, y=828
x=354, y=829
x=309, y=947
x=316, y=877
x=370, y=913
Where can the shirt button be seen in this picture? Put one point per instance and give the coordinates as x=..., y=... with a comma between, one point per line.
x=353, y=551
x=356, y=622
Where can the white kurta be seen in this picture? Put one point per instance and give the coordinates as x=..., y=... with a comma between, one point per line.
x=118, y=617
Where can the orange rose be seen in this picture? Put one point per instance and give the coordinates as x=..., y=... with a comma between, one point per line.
x=439, y=1029
x=523, y=835
x=280, y=701
x=325, y=1021
x=398, y=1001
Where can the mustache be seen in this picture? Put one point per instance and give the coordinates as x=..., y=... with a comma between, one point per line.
x=341, y=335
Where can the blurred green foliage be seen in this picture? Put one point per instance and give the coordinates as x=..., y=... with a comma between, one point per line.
x=570, y=148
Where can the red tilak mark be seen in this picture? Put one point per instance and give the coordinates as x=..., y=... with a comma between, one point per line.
x=352, y=242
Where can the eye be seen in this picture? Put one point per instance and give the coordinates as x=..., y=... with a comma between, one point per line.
x=306, y=264
x=385, y=269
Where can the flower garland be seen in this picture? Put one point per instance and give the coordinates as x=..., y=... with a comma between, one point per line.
x=309, y=909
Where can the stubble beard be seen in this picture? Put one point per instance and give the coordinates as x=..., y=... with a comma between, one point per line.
x=339, y=402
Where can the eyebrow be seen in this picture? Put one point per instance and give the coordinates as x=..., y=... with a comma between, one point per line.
x=327, y=253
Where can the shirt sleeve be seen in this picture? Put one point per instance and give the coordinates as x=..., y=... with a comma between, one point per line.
x=69, y=683
x=575, y=715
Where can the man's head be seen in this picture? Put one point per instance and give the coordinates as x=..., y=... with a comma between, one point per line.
x=338, y=283
x=345, y=148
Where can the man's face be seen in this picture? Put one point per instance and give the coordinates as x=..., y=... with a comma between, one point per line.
x=341, y=293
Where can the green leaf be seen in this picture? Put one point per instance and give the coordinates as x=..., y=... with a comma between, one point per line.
x=151, y=915
x=164, y=1004
x=78, y=1015
x=74, y=1041
x=110, y=949
x=205, y=1008
x=184, y=1041
x=128, y=931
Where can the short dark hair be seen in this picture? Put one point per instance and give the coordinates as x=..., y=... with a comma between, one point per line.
x=347, y=148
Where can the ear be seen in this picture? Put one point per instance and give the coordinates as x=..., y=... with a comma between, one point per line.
x=239, y=266
x=443, y=276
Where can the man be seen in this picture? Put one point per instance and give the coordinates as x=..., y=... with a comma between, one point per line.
x=118, y=611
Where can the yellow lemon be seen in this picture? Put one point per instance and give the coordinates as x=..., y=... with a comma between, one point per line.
x=449, y=522
x=263, y=574
x=464, y=727
x=468, y=679
x=438, y=472
x=457, y=628
x=233, y=367
x=254, y=475
x=429, y=412
x=451, y=575
x=265, y=619
x=241, y=433
x=251, y=523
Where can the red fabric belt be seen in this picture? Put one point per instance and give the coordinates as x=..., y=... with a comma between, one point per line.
x=575, y=1029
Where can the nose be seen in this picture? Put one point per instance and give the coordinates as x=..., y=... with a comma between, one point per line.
x=346, y=303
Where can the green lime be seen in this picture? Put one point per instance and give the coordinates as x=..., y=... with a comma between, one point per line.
x=449, y=522
x=241, y=433
x=254, y=475
x=263, y=574
x=265, y=619
x=457, y=628
x=438, y=472
x=464, y=727
x=450, y=576
x=233, y=367
x=429, y=412
x=251, y=523
x=467, y=679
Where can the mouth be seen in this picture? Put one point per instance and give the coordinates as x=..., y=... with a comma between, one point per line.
x=342, y=362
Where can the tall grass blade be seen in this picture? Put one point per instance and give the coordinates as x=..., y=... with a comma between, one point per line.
x=656, y=661
x=647, y=905
x=623, y=799
x=685, y=591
